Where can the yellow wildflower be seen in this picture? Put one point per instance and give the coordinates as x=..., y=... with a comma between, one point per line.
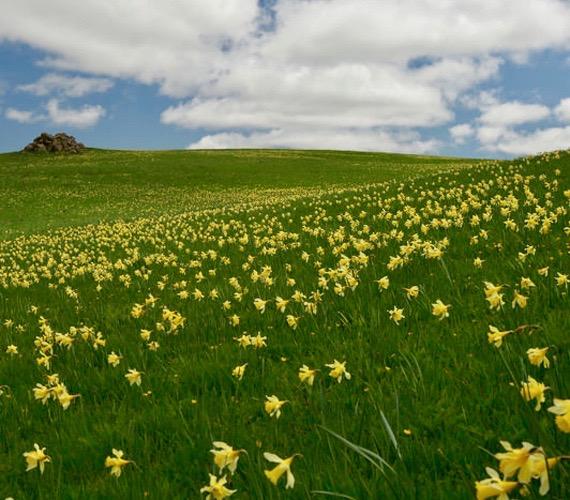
x=216, y=489
x=225, y=456
x=239, y=371
x=134, y=376
x=273, y=406
x=396, y=315
x=36, y=458
x=283, y=466
x=495, y=336
x=561, y=409
x=114, y=359
x=494, y=486
x=533, y=389
x=538, y=357
x=440, y=309
x=338, y=370
x=116, y=462
x=412, y=292
x=307, y=375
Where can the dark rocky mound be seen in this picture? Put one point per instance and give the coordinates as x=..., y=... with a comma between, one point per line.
x=58, y=143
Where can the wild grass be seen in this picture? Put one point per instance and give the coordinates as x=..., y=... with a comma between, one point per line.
x=428, y=400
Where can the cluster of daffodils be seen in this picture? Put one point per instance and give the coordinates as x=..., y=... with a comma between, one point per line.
x=37, y=458
x=519, y=467
x=226, y=461
x=112, y=297
x=306, y=375
x=54, y=390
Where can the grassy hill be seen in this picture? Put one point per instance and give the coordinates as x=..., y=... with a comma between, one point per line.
x=44, y=191
x=384, y=320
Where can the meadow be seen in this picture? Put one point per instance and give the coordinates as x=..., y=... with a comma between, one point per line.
x=265, y=324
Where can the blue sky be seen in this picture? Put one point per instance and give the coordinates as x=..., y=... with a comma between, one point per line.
x=472, y=78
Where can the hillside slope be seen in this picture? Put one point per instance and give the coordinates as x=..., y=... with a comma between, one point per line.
x=43, y=191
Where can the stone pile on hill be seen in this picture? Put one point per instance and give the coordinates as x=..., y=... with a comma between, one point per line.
x=58, y=143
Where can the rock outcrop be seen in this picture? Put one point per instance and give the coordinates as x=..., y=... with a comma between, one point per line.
x=58, y=143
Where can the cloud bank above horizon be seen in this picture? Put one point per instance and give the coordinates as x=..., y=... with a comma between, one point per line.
x=400, y=75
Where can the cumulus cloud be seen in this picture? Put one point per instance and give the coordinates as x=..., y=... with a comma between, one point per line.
x=67, y=86
x=460, y=133
x=504, y=127
x=562, y=111
x=345, y=95
x=358, y=68
x=83, y=117
x=174, y=43
x=523, y=143
x=513, y=113
x=341, y=139
x=23, y=116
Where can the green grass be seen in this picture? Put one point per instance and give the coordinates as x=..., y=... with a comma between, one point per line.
x=46, y=191
x=442, y=380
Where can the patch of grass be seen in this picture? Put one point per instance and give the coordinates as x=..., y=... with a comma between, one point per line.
x=428, y=399
x=45, y=191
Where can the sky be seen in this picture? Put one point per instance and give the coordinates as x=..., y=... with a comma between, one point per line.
x=478, y=78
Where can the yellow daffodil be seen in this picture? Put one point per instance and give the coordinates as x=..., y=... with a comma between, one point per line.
x=273, y=406
x=260, y=305
x=533, y=389
x=116, y=462
x=561, y=409
x=338, y=371
x=36, y=458
x=225, y=456
x=239, y=371
x=496, y=336
x=494, y=486
x=412, y=292
x=519, y=300
x=65, y=398
x=292, y=321
x=440, y=310
x=217, y=489
x=134, y=376
x=281, y=304
x=307, y=375
x=383, y=283
x=396, y=315
x=478, y=262
x=538, y=357
x=258, y=341
x=114, y=359
x=12, y=350
x=283, y=467
x=527, y=283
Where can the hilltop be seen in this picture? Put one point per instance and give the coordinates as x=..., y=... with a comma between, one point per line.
x=46, y=191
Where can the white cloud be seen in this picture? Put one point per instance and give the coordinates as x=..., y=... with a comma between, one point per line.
x=83, y=117
x=325, y=66
x=562, y=111
x=340, y=139
x=23, y=116
x=396, y=30
x=341, y=96
x=524, y=143
x=178, y=44
x=67, y=86
x=513, y=113
x=460, y=133
x=504, y=126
